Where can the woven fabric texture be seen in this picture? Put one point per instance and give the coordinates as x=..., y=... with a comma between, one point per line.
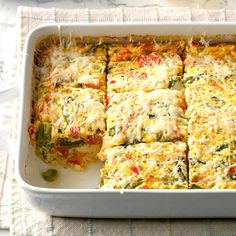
x=23, y=218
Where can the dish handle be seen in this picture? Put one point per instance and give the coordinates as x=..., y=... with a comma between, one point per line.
x=6, y=143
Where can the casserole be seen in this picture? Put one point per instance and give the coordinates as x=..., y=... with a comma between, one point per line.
x=79, y=198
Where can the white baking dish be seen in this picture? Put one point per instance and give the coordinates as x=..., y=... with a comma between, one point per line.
x=74, y=194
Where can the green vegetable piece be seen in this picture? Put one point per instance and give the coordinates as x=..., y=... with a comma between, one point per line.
x=70, y=144
x=159, y=136
x=221, y=147
x=111, y=131
x=201, y=162
x=181, y=172
x=138, y=183
x=191, y=79
x=175, y=82
x=195, y=186
x=43, y=136
x=50, y=175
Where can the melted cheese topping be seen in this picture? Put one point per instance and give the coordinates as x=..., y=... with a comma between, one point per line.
x=68, y=108
x=72, y=65
x=146, y=73
x=218, y=61
x=204, y=96
x=125, y=52
x=216, y=172
x=145, y=117
x=154, y=165
x=67, y=126
x=210, y=95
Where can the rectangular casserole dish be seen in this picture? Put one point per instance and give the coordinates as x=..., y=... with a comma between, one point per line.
x=68, y=197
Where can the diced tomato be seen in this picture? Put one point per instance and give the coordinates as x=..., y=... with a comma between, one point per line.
x=183, y=106
x=135, y=170
x=143, y=61
x=232, y=170
x=94, y=86
x=148, y=60
x=112, y=82
x=75, y=161
x=62, y=150
x=94, y=139
x=74, y=132
x=155, y=58
x=198, y=177
x=107, y=101
x=68, y=90
x=90, y=139
x=144, y=187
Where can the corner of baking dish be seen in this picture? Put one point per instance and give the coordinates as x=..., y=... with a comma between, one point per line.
x=28, y=43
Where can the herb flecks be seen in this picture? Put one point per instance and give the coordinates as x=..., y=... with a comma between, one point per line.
x=221, y=147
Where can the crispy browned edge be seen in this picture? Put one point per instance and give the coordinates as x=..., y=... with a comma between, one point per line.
x=214, y=40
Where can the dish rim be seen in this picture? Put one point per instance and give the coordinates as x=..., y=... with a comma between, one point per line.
x=43, y=190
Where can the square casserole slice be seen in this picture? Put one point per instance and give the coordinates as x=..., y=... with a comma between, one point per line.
x=213, y=124
x=71, y=64
x=215, y=60
x=146, y=73
x=209, y=97
x=67, y=126
x=216, y=169
x=212, y=133
x=212, y=148
x=125, y=52
x=145, y=166
x=135, y=117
